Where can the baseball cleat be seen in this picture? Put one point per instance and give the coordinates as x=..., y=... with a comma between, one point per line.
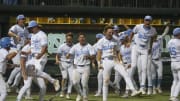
x=135, y=93
x=149, y=91
x=28, y=98
x=67, y=96
x=125, y=95
x=159, y=90
x=85, y=99
x=97, y=94
x=154, y=91
x=56, y=85
x=62, y=94
x=78, y=98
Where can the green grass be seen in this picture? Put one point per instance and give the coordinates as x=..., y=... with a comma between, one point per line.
x=111, y=97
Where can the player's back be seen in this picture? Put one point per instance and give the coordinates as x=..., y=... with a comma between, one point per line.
x=174, y=49
x=3, y=54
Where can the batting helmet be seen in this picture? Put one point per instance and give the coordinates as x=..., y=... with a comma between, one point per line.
x=176, y=31
x=5, y=42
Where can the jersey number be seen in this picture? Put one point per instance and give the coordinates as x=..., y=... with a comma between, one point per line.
x=172, y=50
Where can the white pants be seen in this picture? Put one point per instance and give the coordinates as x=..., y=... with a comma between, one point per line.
x=157, y=71
x=13, y=74
x=38, y=78
x=100, y=80
x=175, y=88
x=66, y=71
x=143, y=55
x=131, y=72
x=81, y=74
x=3, y=92
x=108, y=65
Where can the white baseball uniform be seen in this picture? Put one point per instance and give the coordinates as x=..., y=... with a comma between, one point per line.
x=22, y=32
x=126, y=57
x=66, y=65
x=3, y=61
x=108, y=49
x=142, y=45
x=157, y=67
x=82, y=67
x=156, y=63
x=32, y=73
x=39, y=40
x=174, y=50
x=100, y=73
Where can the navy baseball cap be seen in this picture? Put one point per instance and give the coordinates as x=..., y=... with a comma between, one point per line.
x=32, y=24
x=19, y=17
x=176, y=31
x=148, y=17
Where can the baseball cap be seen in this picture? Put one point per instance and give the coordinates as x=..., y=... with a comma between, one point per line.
x=32, y=24
x=148, y=17
x=19, y=17
x=123, y=36
x=115, y=27
x=128, y=32
x=99, y=35
x=176, y=31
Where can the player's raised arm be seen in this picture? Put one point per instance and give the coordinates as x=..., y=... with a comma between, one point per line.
x=166, y=30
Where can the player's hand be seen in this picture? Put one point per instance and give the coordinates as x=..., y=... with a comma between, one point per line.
x=94, y=65
x=87, y=57
x=57, y=62
x=25, y=82
x=24, y=77
x=149, y=51
x=100, y=66
x=18, y=38
x=129, y=66
x=38, y=56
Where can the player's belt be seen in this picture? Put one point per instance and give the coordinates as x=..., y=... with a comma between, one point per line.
x=82, y=65
x=142, y=46
x=156, y=59
x=34, y=54
x=108, y=58
x=67, y=61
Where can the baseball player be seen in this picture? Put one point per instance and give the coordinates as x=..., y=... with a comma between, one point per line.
x=38, y=49
x=83, y=53
x=100, y=71
x=18, y=34
x=29, y=72
x=156, y=61
x=174, y=50
x=142, y=48
x=108, y=52
x=65, y=65
x=5, y=44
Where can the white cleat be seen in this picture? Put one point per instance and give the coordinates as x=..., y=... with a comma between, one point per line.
x=142, y=91
x=61, y=95
x=125, y=95
x=56, y=85
x=159, y=90
x=28, y=98
x=154, y=92
x=85, y=99
x=135, y=93
x=78, y=98
x=67, y=96
x=97, y=94
x=149, y=91
x=8, y=88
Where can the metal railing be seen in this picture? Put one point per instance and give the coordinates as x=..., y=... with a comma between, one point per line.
x=98, y=3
